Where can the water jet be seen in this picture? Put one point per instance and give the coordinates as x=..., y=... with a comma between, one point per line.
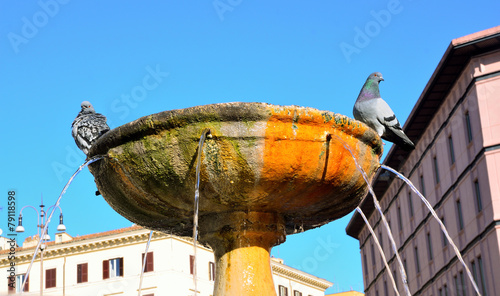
x=266, y=171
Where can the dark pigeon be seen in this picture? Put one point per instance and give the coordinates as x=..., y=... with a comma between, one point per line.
x=88, y=126
x=371, y=109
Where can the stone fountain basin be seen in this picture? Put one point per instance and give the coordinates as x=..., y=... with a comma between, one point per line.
x=284, y=160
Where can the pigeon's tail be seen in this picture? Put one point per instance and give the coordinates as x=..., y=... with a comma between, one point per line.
x=399, y=138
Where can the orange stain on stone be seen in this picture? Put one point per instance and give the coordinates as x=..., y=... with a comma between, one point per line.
x=305, y=146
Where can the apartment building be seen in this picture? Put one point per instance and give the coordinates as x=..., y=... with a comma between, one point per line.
x=456, y=165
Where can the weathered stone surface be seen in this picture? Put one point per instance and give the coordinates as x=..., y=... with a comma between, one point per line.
x=261, y=157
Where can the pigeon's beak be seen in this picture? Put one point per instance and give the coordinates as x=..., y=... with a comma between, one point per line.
x=381, y=78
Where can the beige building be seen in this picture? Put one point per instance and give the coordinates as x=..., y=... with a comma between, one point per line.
x=110, y=263
x=456, y=165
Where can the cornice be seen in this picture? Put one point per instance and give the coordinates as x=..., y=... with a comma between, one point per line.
x=78, y=246
x=299, y=276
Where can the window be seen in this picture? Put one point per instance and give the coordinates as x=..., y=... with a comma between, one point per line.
x=112, y=268
x=468, y=126
x=395, y=276
x=443, y=291
x=463, y=284
x=460, y=287
x=15, y=287
x=282, y=291
x=149, y=262
x=422, y=185
x=19, y=281
x=406, y=269
x=417, y=260
x=410, y=204
x=385, y=289
x=82, y=273
x=380, y=240
x=451, y=149
x=477, y=192
x=436, y=170
x=115, y=267
x=460, y=217
x=50, y=278
x=429, y=246
x=211, y=271
x=297, y=293
x=400, y=220
x=474, y=271
x=372, y=248
x=191, y=264
x=443, y=236
x=389, y=239
x=366, y=265
x=481, y=276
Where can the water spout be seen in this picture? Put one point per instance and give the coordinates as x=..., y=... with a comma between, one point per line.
x=144, y=261
x=204, y=134
x=384, y=220
x=443, y=228
x=358, y=209
x=44, y=230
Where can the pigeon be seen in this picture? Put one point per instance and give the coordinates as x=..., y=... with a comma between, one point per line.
x=371, y=109
x=88, y=126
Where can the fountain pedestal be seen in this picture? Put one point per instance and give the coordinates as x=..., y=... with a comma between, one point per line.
x=268, y=171
x=242, y=243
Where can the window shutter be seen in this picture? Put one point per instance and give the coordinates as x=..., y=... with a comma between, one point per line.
x=105, y=269
x=85, y=273
x=50, y=278
x=150, y=262
x=211, y=271
x=191, y=264
x=78, y=273
x=11, y=285
x=81, y=273
x=47, y=279
x=121, y=267
x=27, y=286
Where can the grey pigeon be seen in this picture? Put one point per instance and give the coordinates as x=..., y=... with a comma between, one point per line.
x=88, y=126
x=371, y=109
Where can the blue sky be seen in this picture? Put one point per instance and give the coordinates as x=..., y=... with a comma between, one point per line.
x=135, y=58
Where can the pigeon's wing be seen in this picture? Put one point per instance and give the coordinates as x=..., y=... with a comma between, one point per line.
x=100, y=123
x=86, y=130
x=385, y=115
x=393, y=131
